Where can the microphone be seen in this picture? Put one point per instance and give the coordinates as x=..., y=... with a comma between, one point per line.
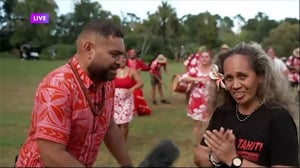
x=162, y=155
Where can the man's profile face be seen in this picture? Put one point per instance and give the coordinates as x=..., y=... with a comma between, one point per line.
x=105, y=60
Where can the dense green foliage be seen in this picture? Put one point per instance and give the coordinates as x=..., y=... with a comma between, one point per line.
x=163, y=31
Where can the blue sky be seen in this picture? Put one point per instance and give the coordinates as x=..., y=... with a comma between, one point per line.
x=275, y=9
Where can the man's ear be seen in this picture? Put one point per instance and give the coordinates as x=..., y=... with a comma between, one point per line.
x=88, y=48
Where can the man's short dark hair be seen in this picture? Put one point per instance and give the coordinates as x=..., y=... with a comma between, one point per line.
x=103, y=27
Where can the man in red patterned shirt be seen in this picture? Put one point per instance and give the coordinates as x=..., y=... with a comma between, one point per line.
x=73, y=105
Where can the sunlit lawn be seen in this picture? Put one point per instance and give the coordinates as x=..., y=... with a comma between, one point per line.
x=19, y=80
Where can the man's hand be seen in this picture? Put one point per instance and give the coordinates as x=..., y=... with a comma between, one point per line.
x=116, y=145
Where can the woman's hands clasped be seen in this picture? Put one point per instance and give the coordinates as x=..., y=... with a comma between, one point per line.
x=221, y=144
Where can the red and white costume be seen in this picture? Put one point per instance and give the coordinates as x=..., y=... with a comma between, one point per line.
x=192, y=61
x=293, y=76
x=123, y=102
x=197, y=108
x=140, y=104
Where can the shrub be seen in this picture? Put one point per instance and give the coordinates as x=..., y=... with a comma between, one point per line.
x=63, y=51
x=146, y=58
x=13, y=53
x=5, y=55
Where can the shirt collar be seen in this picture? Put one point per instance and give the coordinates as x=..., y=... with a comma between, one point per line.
x=87, y=82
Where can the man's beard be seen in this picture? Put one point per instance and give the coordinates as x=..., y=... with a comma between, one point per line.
x=99, y=73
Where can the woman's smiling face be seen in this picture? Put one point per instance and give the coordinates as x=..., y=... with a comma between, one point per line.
x=240, y=79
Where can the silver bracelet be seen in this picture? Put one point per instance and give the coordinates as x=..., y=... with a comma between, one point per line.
x=213, y=161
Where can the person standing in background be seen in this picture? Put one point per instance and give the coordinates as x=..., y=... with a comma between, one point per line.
x=53, y=53
x=127, y=80
x=156, y=79
x=278, y=63
x=293, y=63
x=224, y=47
x=182, y=54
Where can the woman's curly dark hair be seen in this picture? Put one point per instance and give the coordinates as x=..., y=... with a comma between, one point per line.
x=274, y=88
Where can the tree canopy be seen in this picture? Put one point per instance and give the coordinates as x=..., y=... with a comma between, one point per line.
x=162, y=31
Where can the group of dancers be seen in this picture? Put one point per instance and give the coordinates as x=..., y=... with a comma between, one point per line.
x=129, y=98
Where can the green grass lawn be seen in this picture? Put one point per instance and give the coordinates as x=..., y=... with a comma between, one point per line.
x=19, y=80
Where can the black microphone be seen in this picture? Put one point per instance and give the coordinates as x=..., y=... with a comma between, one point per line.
x=162, y=155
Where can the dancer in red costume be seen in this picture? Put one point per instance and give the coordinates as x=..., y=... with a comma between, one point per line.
x=126, y=81
x=140, y=104
x=191, y=62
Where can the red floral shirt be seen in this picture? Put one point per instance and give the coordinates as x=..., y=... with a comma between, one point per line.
x=293, y=76
x=61, y=114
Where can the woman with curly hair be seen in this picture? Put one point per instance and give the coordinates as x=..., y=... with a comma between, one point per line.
x=251, y=124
